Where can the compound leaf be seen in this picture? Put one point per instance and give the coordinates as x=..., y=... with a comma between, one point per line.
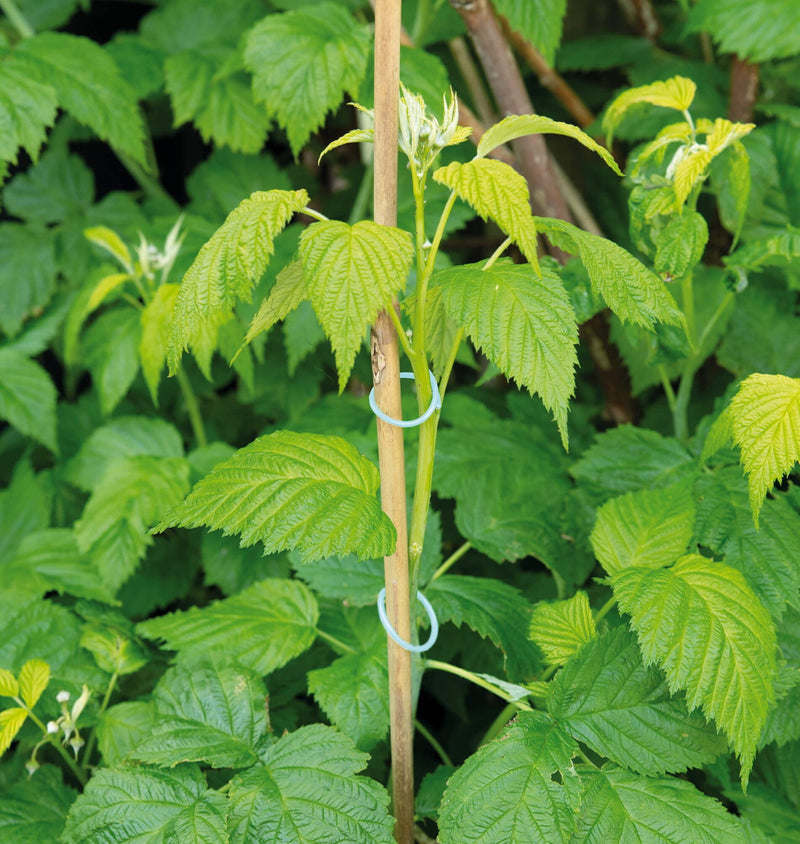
x=321, y=54
x=262, y=627
x=523, y=322
x=516, y=125
x=206, y=711
x=621, y=806
x=765, y=421
x=607, y=698
x=312, y=492
x=11, y=721
x=306, y=790
x=352, y=273
x=677, y=92
x=492, y=609
x=649, y=527
x=27, y=398
x=496, y=191
x=632, y=291
x=226, y=269
x=132, y=804
x=701, y=622
x=563, y=627
x=507, y=791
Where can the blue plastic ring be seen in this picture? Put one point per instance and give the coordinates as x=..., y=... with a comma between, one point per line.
x=416, y=649
x=436, y=403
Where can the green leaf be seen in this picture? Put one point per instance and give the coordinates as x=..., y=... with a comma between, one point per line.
x=129, y=498
x=89, y=86
x=112, y=643
x=262, y=627
x=217, y=99
x=225, y=271
x=731, y=181
x=305, y=789
x=518, y=789
x=11, y=721
x=767, y=818
x=538, y=21
x=496, y=191
x=523, y=322
x=287, y=293
x=677, y=92
x=351, y=274
x=606, y=698
x=765, y=420
x=27, y=398
x=39, y=630
x=680, y=244
x=59, y=187
x=561, y=628
x=766, y=556
x=353, y=691
x=27, y=273
x=621, y=806
x=156, y=319
x=9, y=687
x=34, y=808
x=321, y=54
x=626, y=458
x=728, y=668
x=312, y=492
x=132, y=804
x=302, y=334
x=111, y=351
x=25, y=506
x=204, y=822
x=492, y=609
x=27, y=108
x=206, y=711
x=757, y=32
x=33, y=679
x=431, y=789
x=125, y=436
x=649, y=528
x=122, y=727
x=632, y=291
x=516, y=125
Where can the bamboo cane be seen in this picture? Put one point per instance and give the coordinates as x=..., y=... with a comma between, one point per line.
x=386, y=378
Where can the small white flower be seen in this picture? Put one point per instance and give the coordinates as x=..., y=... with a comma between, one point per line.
x=76, y=744
x=31, y=766
x=52, y=727
x=63, y=697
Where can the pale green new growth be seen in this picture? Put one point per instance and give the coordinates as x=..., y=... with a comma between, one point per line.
x=496, y=191
x=33, y=679
x=351, y=274
x=649, y=528
x=677, y=92
x=765, y=423
x=560, y=629
x=287, y=293
x=702, y=624
x=225, y=271
x=523, y=322
x=516, y=125
x=156, y=321
x=312, y=492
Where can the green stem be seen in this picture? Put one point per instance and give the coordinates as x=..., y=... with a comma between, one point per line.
x=17, y=19
x=80, y=774
x=667, y=385
x=192, y=407
x=421, y=20
x=497, y=253
x=359, y=210
x=451, y=560
x=604, y=610
x=89, y=749
x=478, y=681
x=509, y=710
x=680, y=415
x=336, y=643
x=317, y=215
x=401, y=332
x=150, y=185
x=433, y=742
x=687, y=294
x=451, y=359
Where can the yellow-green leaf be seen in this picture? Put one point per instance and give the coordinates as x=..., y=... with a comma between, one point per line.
x=109, y=240
x=765, y=422
x=9, y=687
x=352, y=273
x=517, y=125
x=11, y=721
x=561, y=628
x=33, y=679
x=677, y=92
x=724, y=133
x=288, y=292
x=495, y=190
x=156, y=319
x=103, y=287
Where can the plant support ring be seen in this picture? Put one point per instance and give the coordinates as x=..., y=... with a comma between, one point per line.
x=416, y=649
x=436, y=403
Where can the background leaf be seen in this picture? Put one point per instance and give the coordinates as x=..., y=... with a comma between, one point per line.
x=562, y=627
x=27, y=398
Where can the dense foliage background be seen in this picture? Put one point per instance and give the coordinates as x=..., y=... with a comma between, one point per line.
x=128, y=132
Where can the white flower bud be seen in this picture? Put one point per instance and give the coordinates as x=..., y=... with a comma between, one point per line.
x=63, y=697
x=52, y=727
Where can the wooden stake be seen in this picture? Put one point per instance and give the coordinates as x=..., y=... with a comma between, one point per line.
x=386, y=378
